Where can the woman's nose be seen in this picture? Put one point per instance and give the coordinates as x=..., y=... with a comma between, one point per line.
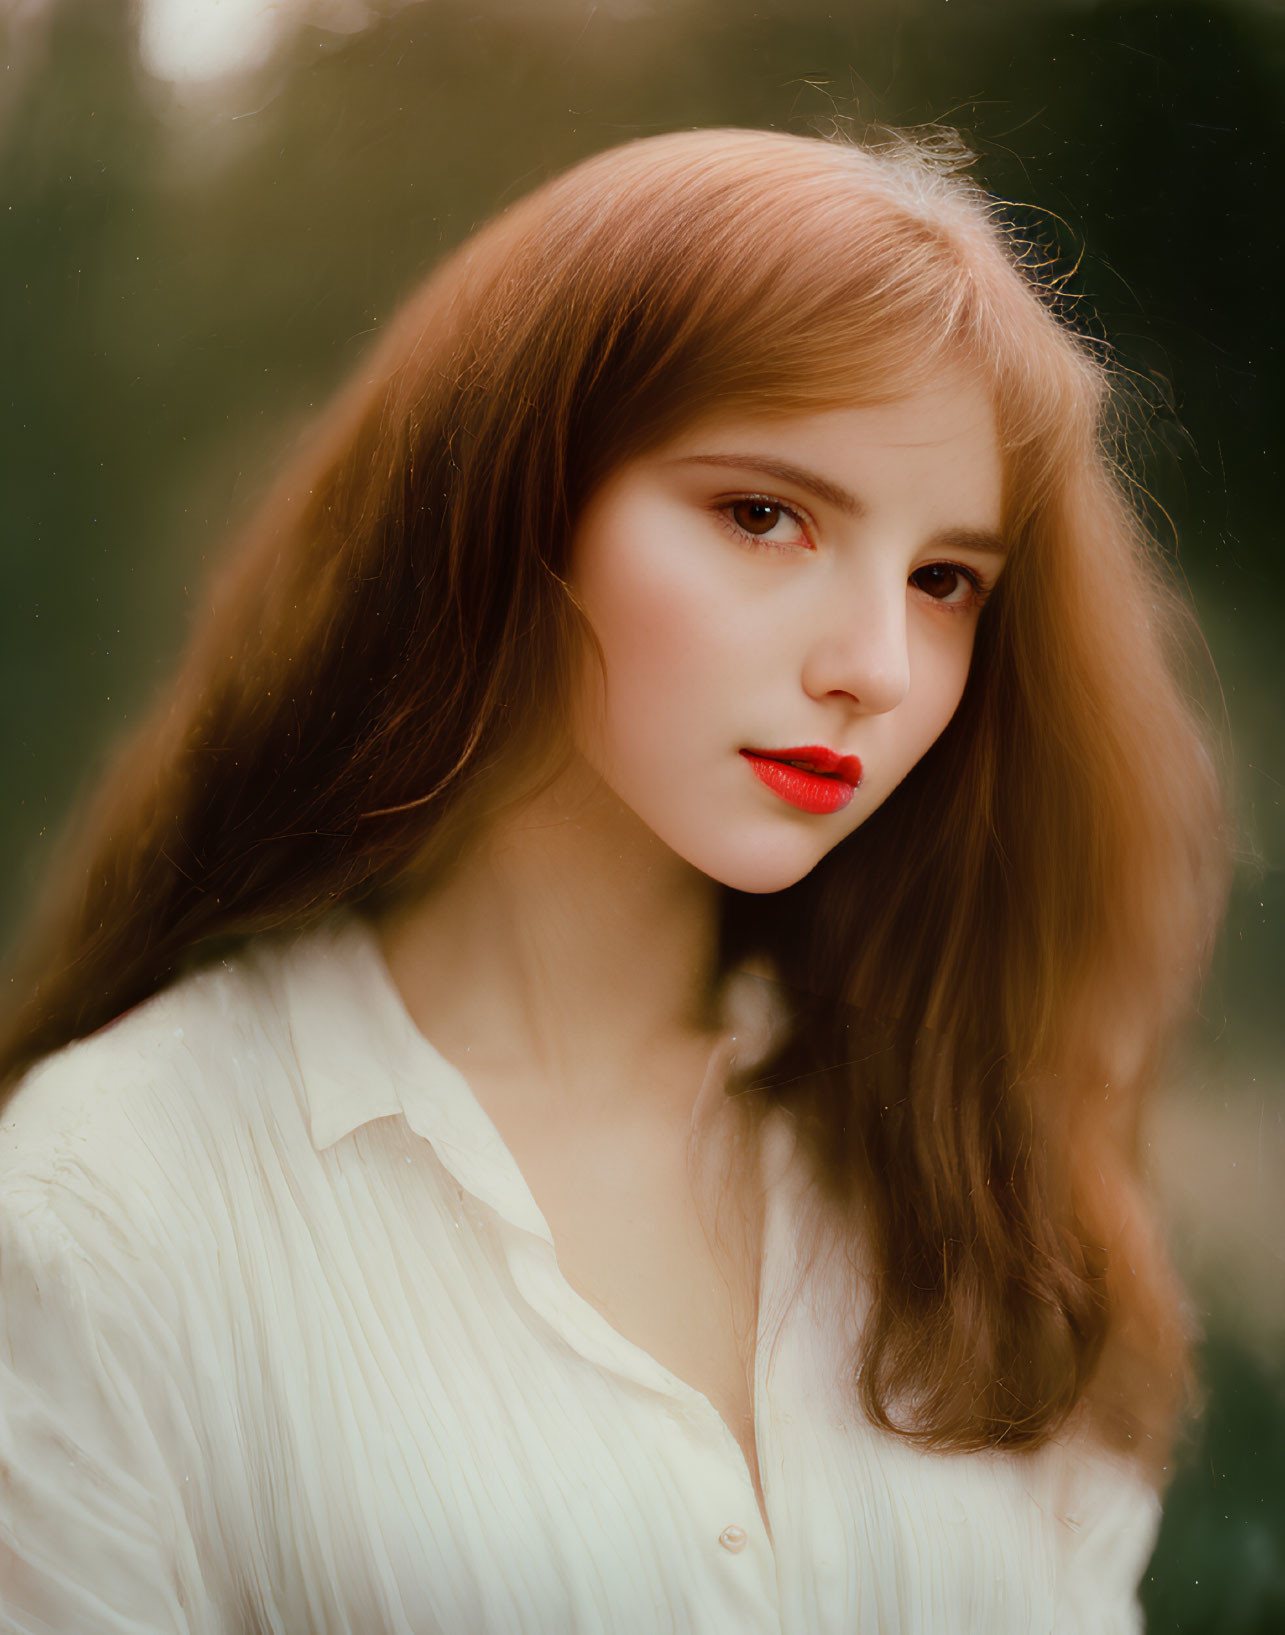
x=860, y=647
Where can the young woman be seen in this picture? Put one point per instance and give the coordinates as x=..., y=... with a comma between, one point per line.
x=583, y=1072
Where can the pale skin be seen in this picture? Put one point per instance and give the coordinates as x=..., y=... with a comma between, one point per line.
x=756, y=582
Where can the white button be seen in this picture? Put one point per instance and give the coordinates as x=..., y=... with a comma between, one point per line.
x=733, y=1538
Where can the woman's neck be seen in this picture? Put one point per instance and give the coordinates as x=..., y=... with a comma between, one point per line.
x=569, y=948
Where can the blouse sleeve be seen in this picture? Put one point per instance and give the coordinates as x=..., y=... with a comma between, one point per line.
x=1107, y=1519
x=94, y=1531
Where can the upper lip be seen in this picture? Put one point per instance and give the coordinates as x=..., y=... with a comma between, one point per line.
x=817, y=758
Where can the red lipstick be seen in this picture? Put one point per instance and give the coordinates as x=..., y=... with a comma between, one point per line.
x=813, y=778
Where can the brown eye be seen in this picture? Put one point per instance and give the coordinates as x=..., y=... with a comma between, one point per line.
x=941, y=581
x=756, y=516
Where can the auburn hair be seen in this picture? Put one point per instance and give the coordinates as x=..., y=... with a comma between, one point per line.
x=984, y=975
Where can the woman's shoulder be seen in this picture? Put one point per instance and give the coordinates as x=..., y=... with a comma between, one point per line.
x=156, y=1087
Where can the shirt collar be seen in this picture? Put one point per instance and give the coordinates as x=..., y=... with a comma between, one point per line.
x=361, y=1057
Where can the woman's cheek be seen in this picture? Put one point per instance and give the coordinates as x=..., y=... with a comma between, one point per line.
x=939, y=675
x=660, y=615
x=667, y=672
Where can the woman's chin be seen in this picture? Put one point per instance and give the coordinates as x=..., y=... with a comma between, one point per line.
x=760, y=870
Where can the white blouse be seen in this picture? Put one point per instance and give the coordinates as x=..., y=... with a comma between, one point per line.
x=285, y=1347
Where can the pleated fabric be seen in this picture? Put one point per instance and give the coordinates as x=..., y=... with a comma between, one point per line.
x=285, y=1348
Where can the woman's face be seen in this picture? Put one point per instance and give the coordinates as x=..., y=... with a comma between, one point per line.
x=759, y=585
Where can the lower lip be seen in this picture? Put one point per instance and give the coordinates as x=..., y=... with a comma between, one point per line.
x=809, y=791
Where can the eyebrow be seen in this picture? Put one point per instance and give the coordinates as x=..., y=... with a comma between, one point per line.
x=960, y=539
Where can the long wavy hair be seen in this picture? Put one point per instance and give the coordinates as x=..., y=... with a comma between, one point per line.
x=1017, y=930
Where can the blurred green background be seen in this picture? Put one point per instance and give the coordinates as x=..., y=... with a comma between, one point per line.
x=209, y=208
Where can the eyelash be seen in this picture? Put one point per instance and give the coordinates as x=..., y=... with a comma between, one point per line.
x=981, y=587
